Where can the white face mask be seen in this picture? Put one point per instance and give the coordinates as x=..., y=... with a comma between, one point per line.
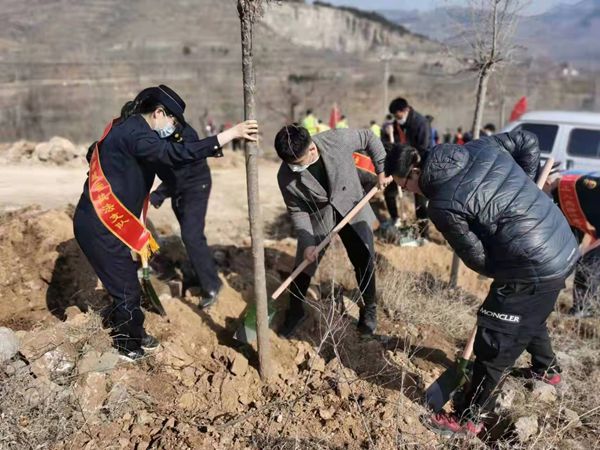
x=402, y=121
x=166, y=131
x=301, y=168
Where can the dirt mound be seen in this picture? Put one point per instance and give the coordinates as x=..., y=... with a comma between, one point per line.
x=57, y=151
x=41, y=267
x=67, y=388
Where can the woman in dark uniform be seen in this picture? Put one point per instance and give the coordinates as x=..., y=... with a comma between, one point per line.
x=122, y=169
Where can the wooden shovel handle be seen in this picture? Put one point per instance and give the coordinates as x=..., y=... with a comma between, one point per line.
x=347, y=218
x=545, y=172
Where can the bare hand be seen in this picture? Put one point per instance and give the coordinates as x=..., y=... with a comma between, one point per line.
x=247, y=130
x=383, y=181
x=310, y=253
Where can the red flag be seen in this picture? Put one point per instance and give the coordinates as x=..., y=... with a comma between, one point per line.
x=519, y=109
x=335, y=116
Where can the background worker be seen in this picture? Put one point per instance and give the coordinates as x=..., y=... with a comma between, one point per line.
x=310, y=122
x=482, y=198
x=413, y=129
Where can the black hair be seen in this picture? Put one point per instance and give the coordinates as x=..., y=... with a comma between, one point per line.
x=373, y=122
x=343, y=117
x=389, y=117
x=143, y=103
x=308, y=112
x=398, y=104
x=292, y=142
x=429, y=117
x=401, y=159
x=491, y=127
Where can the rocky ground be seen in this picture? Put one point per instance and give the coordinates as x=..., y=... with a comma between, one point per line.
x=63, y=386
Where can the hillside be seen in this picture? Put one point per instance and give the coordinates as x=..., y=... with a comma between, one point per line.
x=565, y=33
x=68, y=65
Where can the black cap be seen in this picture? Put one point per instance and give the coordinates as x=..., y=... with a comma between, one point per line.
x=167, y=97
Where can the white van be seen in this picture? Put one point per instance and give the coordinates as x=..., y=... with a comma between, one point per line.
x=573, y=138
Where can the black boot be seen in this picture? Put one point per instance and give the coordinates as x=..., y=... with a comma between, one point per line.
x=210, y=298
x=367, y=320
x=294, y=317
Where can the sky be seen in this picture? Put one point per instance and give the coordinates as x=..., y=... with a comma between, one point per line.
x=534, y=6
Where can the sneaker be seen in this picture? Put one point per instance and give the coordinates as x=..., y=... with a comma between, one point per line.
x=132, y=355
x=449, y=425
x=367, y=320
x=552, y=378
x=150, y=343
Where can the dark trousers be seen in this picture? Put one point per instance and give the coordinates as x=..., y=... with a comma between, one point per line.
x=362, y=257
x=190, y=209
x=511, y=320
x=422, y=217
x=390, y=195
x=112, y=262
x=586, y=287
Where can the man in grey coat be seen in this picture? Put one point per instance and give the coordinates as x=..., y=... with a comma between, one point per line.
x=320, y=185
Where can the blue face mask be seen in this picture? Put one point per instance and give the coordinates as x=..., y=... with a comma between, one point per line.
x=166, y=131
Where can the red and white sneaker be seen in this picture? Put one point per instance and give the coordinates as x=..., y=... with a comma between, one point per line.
x=549, y=378
x=449, y=425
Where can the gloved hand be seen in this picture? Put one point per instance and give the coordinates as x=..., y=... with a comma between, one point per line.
x=157, y=199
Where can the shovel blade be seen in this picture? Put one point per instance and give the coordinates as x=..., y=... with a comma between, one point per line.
x=246, y=332
x=440, y=391
x=152, y=297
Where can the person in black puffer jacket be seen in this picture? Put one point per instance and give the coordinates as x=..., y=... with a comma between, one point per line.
x=483, y=199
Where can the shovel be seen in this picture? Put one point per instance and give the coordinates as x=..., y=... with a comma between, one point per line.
x=441, y=390
x=148, y=290
x=247, y=331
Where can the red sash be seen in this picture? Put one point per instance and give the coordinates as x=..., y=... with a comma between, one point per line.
x=569, y=203
x=112, y=213
x=363, y=162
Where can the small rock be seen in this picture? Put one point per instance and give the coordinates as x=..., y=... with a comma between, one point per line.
x=572, y=418
x=9, y=344
x=170, y=422
x=239, y=366
x=144, y=417
x=316, y=363
x=16, y=367
x=94, y=361
x=229, y=395
x=505, y=399
x=71, y=312
x=326, y=414
x=188, y=376
x=279, y=418
x=543, y=392
x=343, y=389
x=118, y=395
x=142, y=445
x=91, y=392
x=187, y=401
x=526, y=427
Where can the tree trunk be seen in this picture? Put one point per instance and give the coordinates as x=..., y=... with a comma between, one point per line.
x=254, y=211
x=482, y=83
